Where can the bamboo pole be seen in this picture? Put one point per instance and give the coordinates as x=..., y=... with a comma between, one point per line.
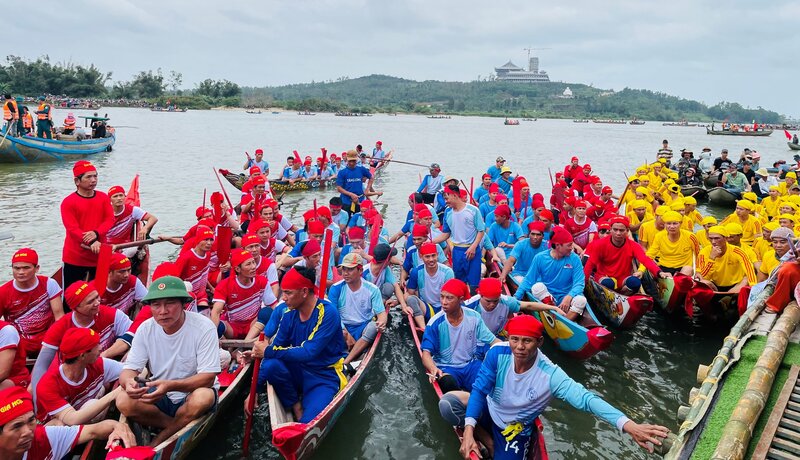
x=736, y=435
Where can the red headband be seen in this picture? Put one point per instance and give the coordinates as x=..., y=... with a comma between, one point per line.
x=293, y=280
x=525, y=326
x=311, y=247
x=115, y=189
x=76, y=292
x=119, y=262
x=14, y=402
x=490, y=287
x=249, y=239
x=82, y=167
x=427, y=248
x=78, y=340
x=456, y=287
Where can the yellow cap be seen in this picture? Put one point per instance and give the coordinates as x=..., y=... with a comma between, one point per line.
x=795, y=199
x=689, y=200
x=674, y=188
x=633, y=178
x=734, y=229
x=790, y=204
x=791, y=174
x=677, y=205
x=719, y=230
x=661, y=210
x=662, y=161
x=709, y=220
x=636, y=204
x=672, y=175
x=745, y=204
x=774, y=187
x=788, y=216
x=643, y=178
x=750, y=196
x=671, y=216
x=772, y=225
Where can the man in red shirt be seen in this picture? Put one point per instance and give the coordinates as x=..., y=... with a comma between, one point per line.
x=581, y=179
x=12, y=358
x=572, y=170
x=126, y=221
x=264, y=266
x=240, y=296
x=87, y=217
x=31, y=302
x=123, y=290
x=582, y=229
x=68, y=393
x=611, y=259
x=192, y=264
x=21, y=437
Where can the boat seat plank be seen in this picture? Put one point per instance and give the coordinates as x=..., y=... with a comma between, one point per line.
x=790, y=424
x=775, y=454
x=786, y=446
x=783, y=421
x=789, y=435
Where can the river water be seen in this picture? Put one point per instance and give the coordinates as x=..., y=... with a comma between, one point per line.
x=647, y=372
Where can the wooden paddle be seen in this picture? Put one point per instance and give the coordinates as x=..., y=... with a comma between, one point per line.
x=224, y=235
x=251, y=404
x=103, y=266
x=326, y=257
x=398, y=161
x=224, y=193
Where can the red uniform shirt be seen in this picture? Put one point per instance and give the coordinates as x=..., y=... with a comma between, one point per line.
x=124, y=222
x=243, y=302
x=605, y=259
x=109, y=323
x=10, y=340
x=123, y=298
x=570, y=172
x=79, y=215
x=580, y=232
x=194, y=269
x=53, y=442
x=29, y=310
x=55, y=392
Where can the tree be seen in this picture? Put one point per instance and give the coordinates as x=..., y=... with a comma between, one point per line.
x=148, y=84
x=175, y=81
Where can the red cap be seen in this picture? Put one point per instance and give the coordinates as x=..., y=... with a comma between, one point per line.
x=485, y=175
x=594, y=179
x=25, y=255
x=324, y=211
x=547, y=214
x=258, y=180
x=536, y=204
x=537, y=225
x=307, y=162
x=604, y=226
x=619, y=220
x=502, y=210
x=424, y=213
x=250, y=238
x=427, y=248
x=114, y=190
x=419, y=230
x=581, y=204
x=76, y=292
x=606, y=189
x=259, y=152
x=587, y=166
x=560, y=236
x=311, y=247
x=573, y=159
x=239, y=256
x=356, y=233
x=524, y=326
x=14, y=402
x=494, y=188
x=294, y=280
x=456, y=287
x=316, y=227
x=202, y=211
x=500, y=197
x=119, y=261
x=379, y=143
x=78, y=340
x=490, y=287
x=309, y=215
x=255, y=170
x=82, y=167
x=164, y=269
x=204, y=234
x=366, y=204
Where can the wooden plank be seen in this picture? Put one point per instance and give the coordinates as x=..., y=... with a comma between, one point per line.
x=764, y=443
x=787, y=434
x=791, y=405
x=790, y=424
x=787, y=446
x=776, y=454
x=791, y=415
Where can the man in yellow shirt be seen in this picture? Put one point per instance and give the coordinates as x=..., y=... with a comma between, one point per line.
x=763, y=243
x=638, y=213
x=724, y=268
x=735, y=239
x=771, y=203
x=692, y=215
x=702, y=234
x=674, y=250
x=789, y=180
x=751, y=227
x=781, y=241
x=648, y=230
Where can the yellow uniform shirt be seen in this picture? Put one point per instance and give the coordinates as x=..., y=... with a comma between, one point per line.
x=647, y=232
x=769, y=208
x=675, y=254
x=751, y=255
x=728, y=269
x=648, y=216
x=770, y=261
x=688, y=224
x=751, y=228
x=761, y=246
x=702, y=238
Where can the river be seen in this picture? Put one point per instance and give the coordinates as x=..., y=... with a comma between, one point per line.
x=647, y=372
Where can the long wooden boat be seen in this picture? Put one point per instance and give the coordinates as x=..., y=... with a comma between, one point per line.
x=508, y=122
x=297, y=441
x=699, y=193
x=27, y=149
x=622, y=311
x=721, y=196
x=662, y=291
x=717, y=132
x=637, y=122
x=793, y=146
x=416, y=334
x=168, y=109
x=580, y=340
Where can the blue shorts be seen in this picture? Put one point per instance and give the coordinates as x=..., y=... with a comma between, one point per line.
x=170, y=408
x=465, y=376
x=515, y=449
x=467, y=270
x=356, y=330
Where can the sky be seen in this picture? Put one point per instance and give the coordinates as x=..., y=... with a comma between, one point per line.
x=734, y=51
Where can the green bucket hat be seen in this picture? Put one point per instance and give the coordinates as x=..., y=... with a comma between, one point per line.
x=167, y=287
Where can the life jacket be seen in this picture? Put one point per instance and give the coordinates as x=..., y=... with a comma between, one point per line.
x=27, y=121
x=69, y=122
x=7, y=114
x=45, y=116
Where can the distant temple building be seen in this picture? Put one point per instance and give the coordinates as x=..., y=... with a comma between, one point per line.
x=510, y=72
x=567, y=94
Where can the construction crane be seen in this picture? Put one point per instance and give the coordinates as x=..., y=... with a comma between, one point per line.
x=533, y=49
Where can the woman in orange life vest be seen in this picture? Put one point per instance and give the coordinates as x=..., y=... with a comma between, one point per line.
x=69, y=124
x=27, y=120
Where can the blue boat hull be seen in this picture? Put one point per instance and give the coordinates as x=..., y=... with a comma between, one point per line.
x=35, y=150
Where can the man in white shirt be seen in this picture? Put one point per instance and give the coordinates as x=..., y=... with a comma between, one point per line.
x=181, y=350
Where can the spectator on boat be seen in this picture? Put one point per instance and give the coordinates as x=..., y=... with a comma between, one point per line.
x=123, y=290
x=514, y=385
x=69, y=124
x=27, y=121
x=424, y=283
x=464, y=227
x=44, y=122
x=687, y=161
x=13, y=370
x=181, y=350
x=556, y=276
x=304, y=361
x=674, y=249
x=452, y=340
x=494, y=170
x=690, y=178
x=69, y=393
x=764, y=180
x=704, y=164
x=21, y=436
x=10, y=115
x=721, y=163
x=794, y=139
x=31, y=302
x=749, y=173
x=431, y=184
x=87, y=217
x=350, y=183
x=734, y=181
x=259, y=161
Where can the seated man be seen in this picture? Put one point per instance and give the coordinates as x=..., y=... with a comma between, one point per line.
x=504, y=233
x=519, y=261
x=420, y=234
x=674, y=249
x=514, y=386
x=781, y=242
x=123, y=290
x=304, y=361
x=556, y=277
x=358, y=302
x=379, y=272
x=452, y=340
x=13, y=371
x=724, y=267
x=68, y=394
x=496, y=308
x=424, y=285
x=181, y=351
x=240, y=296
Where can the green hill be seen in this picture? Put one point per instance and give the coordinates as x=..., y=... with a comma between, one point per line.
x=382, y=93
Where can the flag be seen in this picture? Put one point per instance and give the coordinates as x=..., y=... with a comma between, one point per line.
x=297, y=157
x=786, y=133
x=132, y=198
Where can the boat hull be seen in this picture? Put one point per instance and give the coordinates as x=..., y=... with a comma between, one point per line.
x=793, y=146
x=720, y=196
x=620, y=310
x=764, y=133
x=35, y=150
x=699, y=193
x=662, y=291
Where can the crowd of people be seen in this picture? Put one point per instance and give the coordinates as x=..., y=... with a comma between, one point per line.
x=19, y=121
x=320, y=290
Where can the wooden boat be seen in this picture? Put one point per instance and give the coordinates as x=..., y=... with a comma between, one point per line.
x=721, y=196
x=306, y=113
x=580, y=340
x=622, y=311
x=793, y=146
x=439, y=117
x=761, y=133
x=508, y=122
x=27, y=149
x=681, y=123
x=416, y=334
x=297, y=441
x=580, y=121
x=636, y=122
x=610, y=122
x=662, y=291
x=254, y=112
x=696, y=191
x=168, y=109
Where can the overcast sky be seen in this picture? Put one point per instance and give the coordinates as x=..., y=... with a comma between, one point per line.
x=741, y=51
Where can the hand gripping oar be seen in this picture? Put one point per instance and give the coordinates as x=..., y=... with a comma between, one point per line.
x=251, y=404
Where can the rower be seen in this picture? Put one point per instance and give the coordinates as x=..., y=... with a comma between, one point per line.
x=44, y=122
x=464, y=226
x=751, y=226
x=611, y=260
x=692, y=216
x=304, y=361
x=68, y=394
x=781, y=239
x=724, y=267
x=503, y=233
x=519, y=261
x=504, y=181
x=675, y=249
x=87, y=312
x=181, y=351
x=193, y=264
x=350, y=183
x=431, y=184
x=582, y=229
x=420, y=234
x=324, y=171
x=357, y=245
x=123, y=290
x=556, y=277
x=126, y=219
x=735, y=239
x=424, y=284
x=13, y=371
x=292, y=172
x=358, y=302
x=240, y=297
x=639, y=213
x=489, y=201
x=581, y=180
x=572, y=170
x=514, y=386
x=31, y=302
x=264, y=265
x=309, y=171
x=495, y=170
x=22, y=438
x=452, y=339
x=379, y=273
x=496, y=308
x=648, y=230
x=87, y=217
x=259, y=162
x=483, y=189
x=253, y=200
x=763, y=243
x=377, y=154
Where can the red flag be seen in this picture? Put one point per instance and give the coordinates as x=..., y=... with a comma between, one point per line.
x=517, y=192
x=224, y=235
x=297, y=157
x=787, y=134
x=103, y=266
x=326, y=257
x=132, y=198
x=324, y=155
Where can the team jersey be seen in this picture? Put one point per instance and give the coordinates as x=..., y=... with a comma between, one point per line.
x=412, y=258
x=273, y=248
x=702, y=238
x=55, y=392
x=122, y=229
x=80, y=215
x=677, y=254
x=464, y=225
x=456, y=346
x=109, y=323
x=356, y=307
x=431, y=185
x=606, y=259
x=125, y=296
x=243, y=302
x=509, y=235
x=728, y=269
x=769, y=262
x=53, y=442
x=10, y=340
x=520, y=398
x=647, y=232
x=562, y=276
x=29, y=310
x=523, y=254
x=194, y=269
x=761, y=246
x=266, y=267
x=429, y=287
x=384, y=276
x=496, y=319
x=751, y=227
x=581, y=232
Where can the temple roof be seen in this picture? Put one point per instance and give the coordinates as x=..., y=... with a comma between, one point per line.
x=509, y=66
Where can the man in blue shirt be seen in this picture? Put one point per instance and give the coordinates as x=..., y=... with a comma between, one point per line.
x=494, y=171
x=431, y=184
x=259, y=161
x=519, y=261
x=350, y=182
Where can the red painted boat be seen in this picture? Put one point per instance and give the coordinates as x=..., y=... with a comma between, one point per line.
x=622, y=311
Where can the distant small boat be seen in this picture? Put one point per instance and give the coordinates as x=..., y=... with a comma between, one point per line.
x=680, y=123
x=439, y=117
x=636, y=122
x=276, y=113
x=511, y=122
x=727, y=132
x=793, y=146
x=580, y=121
x=530, y=119
x=699, y=193
x=254, y=112
x=611, y=122
x=167, y=109
x=721, y=196
x=306, y=113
